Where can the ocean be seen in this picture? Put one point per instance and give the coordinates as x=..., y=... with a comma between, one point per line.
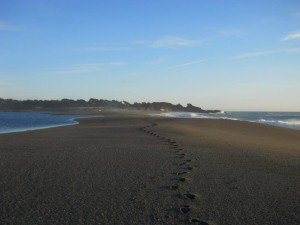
x=282, y=119
x=23, y=121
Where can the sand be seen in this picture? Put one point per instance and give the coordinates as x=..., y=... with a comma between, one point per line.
x=134, y=169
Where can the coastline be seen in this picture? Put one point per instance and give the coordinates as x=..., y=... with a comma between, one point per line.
x=67, y=122
x=39, y=128
x=289, y=120
x=122, y=168
x=291, y=123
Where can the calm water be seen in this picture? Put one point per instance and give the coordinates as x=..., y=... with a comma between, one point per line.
x=282, y=119
x=22, y=121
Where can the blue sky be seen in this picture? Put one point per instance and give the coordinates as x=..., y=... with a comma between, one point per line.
x=216, y=54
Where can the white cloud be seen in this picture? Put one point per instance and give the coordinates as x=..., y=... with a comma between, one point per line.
x=174, y=42
x=293, y=35
x=265, y=53
x=189, y=63
x=254, y=54
x=90, y=67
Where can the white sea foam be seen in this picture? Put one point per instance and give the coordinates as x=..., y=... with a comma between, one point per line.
x=291, y=122
x=221, y=112
x=163, y=114
x=183, y=115
x=193, y=115
x=255, y=117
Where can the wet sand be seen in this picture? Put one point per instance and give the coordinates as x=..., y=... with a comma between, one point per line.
x=133, y=169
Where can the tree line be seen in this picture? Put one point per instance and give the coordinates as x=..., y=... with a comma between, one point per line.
x=19, y=105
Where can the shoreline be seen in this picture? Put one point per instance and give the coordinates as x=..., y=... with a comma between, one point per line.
x=293, y=122
x=39, y=128
x=130, y=168
x=69, y=122
x=140, y=113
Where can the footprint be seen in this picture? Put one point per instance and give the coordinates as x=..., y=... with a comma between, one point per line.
x=182, y=179
x=190, y=196
x=188, y=160
x=199, y=222
x=185, y=209
x=181, y=173
x=190, y=168
x=183, y=163
x=174, y=186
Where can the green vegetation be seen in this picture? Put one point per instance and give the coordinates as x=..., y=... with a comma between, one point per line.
x=35, y=105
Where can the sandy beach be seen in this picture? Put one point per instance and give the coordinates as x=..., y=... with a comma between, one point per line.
x=134, y=169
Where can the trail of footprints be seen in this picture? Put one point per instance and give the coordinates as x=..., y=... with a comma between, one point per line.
x=186, y=167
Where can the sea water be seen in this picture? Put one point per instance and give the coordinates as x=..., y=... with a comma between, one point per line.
x=283, y=119
x=23, y=121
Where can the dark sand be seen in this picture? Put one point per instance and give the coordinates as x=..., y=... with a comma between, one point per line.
x=110, y=171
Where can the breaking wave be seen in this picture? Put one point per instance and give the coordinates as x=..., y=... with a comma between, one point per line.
x=292, y=122
x=288, y=120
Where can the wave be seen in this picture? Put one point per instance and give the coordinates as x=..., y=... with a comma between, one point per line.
x=277, y=119
x=180, y=115
x=194, y=115
x=292, y=122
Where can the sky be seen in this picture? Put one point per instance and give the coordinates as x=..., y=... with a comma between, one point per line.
x=216, y=54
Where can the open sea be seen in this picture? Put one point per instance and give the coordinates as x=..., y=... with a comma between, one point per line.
x=282, y=119
x=23, y=121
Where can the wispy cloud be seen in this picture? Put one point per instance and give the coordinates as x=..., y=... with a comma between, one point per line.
x=291, y=36
x=254, y=54
x=265, y=53
x=155, y=62
x=6, y=26
x=195, y=62
x=173, y=42
x=90, y=67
